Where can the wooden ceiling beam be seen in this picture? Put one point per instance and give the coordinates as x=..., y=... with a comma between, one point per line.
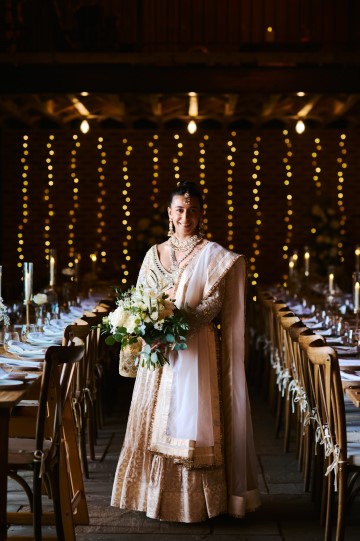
x=110, y=78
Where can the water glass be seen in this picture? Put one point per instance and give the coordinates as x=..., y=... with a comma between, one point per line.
x=40, y=323
x=8, y=337
x=25, y=330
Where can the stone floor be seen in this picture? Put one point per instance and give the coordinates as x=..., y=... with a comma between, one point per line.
x=287, y=512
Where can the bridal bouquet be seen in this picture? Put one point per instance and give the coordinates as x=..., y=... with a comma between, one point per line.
x=148, y=316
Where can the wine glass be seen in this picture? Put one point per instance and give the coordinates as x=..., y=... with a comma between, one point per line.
x=26, y=329
x=10, y=336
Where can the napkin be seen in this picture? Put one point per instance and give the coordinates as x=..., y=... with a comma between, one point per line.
x=51, y=330
x=42, y=339
x=348, y=350
x=352, y=375
x=21, y=348
x=58, y=324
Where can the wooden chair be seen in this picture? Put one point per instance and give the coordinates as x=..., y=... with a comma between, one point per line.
x=341, y=459
x=93, y=376
x=79, y=329
x=45, y=453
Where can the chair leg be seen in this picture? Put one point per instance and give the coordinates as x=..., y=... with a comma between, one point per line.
x=21, y=481
x=37, y=502
x=342, y=481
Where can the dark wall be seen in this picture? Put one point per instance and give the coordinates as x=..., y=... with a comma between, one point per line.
x=132, y=154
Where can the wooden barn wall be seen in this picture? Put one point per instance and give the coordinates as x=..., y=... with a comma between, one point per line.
x=178, y=25
x=228, y=160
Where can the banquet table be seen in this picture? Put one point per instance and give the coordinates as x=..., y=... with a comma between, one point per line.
x=8, y=400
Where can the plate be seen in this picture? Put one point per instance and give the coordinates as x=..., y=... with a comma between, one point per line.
x=9, y=383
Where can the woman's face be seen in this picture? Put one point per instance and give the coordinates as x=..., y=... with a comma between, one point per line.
x=186, y=217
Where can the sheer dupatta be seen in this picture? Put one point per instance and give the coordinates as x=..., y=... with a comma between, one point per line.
x=187, y=423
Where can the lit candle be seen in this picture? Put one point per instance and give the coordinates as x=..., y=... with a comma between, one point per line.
x=307, y=262
x=93, y=260
x=331, y=283
x=52, y=270
x=356, y=297
x=295, y=258
x=357, y=258
x=291, y=266
x=76, y=266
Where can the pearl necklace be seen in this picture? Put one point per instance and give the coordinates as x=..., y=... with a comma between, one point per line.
x=184, y=246
x=175, y=264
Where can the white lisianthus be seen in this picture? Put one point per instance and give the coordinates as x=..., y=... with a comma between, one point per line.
x=40, y=298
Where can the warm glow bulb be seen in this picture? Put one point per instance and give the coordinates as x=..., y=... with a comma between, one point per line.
x=192, y=127
x=300, y=127
x=84, y=126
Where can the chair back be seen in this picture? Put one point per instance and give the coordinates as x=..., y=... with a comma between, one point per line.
x=58, y=370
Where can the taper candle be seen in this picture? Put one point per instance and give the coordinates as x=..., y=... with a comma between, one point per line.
x=28, y=281
x=52, y=266
x=331, y=283
x=307, y=262
x=357, y=258
x=356, y=297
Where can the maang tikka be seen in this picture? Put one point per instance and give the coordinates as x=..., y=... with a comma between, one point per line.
x=187, y=198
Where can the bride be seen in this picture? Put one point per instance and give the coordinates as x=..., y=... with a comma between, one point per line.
x=188, y=452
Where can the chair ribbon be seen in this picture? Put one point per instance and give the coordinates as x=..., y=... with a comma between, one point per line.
x=40, y=457
x=298, y=396
x=76, y=406
x=335, y=464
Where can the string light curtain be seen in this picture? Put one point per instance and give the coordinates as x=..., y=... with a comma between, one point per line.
x=126, y=257
x=25, y=199
x=289, y=203
x=202, y=175
x=71, y=242
x=50, y=211
x=342, y=164
x=230, y=193
x=153, y=145
x=257, y=211
x=101, y=210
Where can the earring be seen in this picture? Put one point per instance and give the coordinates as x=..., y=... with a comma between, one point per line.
x=171, y=228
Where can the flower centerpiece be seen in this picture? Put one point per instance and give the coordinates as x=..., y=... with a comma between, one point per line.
x=4, y=317
x=39, y=300
x=149, y=316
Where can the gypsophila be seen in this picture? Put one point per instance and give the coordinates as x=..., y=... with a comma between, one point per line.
x=150, y=315
x=3, y=313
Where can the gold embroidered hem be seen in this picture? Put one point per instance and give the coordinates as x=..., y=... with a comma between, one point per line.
x=155, y=484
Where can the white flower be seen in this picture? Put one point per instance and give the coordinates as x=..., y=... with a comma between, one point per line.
x=158, y=325
x=40, y=298
x=122, y=318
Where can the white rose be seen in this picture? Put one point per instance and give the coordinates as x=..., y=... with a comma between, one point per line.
x=116, y=318
x=40, y=298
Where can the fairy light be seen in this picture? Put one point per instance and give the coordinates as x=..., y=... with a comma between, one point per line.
x=25, y=200
x=155, y=180
x=289, y=211
x=257, y=211
x=126, y=213
x=317, y=169
x=342, y=164
x=75, y=202
x=176, y=161
x=202, y=166
x=230, y=193
x=47, y=197
x=100, y=215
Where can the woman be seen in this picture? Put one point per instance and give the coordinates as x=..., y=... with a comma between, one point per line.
x=188, y=452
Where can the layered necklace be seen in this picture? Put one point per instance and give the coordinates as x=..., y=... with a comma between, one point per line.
x=186, y=246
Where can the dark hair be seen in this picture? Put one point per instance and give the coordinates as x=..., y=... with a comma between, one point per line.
x=184, y=187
